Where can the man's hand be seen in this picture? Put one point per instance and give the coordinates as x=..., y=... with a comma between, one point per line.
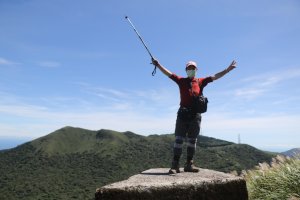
x=162, y=68
x=155, y=62
x=225, y=71
x=232, y=66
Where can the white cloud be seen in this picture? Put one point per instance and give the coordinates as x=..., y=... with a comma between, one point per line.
x=128, y=113
x=249, y=93
x=22, y=110
x=255, y=125
x=105, y=93
x=264, y=132
x=120, y=120
x=4, y=61
x=134, y=99
x=256, y=86
x=281, y=146
x=143, y=112
x=49, y=64
x=34, y=121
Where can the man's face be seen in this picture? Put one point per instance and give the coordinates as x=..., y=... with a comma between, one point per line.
x=191, y=71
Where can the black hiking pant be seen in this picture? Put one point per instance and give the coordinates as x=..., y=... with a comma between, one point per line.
x=187, y=129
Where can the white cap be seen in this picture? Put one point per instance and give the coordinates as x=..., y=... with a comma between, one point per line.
x=191, y=63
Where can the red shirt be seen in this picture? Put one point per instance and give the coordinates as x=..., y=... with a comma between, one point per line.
x=188, y=87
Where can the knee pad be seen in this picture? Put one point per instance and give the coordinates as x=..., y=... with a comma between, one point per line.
x=191, y=142
x=178, y=142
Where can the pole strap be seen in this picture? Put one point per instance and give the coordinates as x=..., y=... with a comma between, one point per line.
x=154, y=71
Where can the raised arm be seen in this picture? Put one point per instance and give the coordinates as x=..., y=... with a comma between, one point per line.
x=162, y=68
x=225, y=71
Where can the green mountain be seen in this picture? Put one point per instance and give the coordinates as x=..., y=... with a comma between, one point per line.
x=295, y=152
x=71, y=163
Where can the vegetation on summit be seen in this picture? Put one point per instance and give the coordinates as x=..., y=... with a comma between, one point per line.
x=279, y=180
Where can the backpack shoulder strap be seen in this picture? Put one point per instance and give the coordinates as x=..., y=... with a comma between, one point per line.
x=199, y=84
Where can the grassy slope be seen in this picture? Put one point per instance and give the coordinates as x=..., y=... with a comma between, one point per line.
x=71, y=162
x=280, y=180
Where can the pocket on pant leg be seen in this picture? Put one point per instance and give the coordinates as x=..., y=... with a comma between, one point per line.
x=180, y=128
x=194, y=127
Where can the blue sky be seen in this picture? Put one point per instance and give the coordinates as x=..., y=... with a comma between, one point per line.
x=79, y=63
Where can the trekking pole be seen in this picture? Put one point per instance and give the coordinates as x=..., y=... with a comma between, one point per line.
x=154, y=70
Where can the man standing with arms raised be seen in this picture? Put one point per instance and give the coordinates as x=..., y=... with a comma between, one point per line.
x=188, y=121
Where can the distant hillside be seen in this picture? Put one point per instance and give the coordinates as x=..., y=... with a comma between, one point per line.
x=71, y=163
x=292, y=153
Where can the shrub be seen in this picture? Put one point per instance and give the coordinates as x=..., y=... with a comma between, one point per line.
x=279, y=180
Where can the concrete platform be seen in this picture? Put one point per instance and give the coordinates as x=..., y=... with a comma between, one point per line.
x=157, y=184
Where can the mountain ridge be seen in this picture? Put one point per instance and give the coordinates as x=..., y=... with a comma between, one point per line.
x=292, y=152
x=75, y=160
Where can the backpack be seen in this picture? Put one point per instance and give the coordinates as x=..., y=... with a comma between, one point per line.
x=199, y=102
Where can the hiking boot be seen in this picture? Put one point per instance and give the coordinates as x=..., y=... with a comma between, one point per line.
x=190, y=167
x=175, y=168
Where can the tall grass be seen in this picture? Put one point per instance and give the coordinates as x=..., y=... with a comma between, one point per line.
x=278, y=181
